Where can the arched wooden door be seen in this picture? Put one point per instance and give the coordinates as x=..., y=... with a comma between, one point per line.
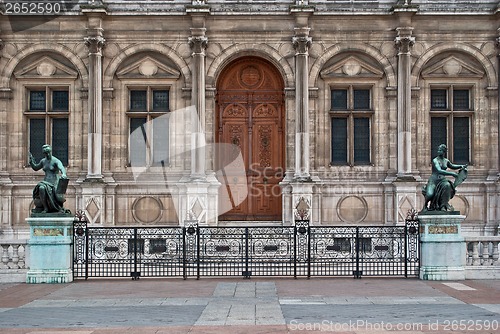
x=250, y=114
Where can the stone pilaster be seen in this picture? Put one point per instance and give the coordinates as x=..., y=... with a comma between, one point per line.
x=198, y=43
x=95, y=43
x=404, y=41
x=198, y=194
x=302, y=42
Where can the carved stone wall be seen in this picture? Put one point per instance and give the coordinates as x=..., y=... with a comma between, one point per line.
x=344, y=50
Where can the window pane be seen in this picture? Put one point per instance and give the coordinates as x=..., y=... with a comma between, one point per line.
x=438, y=99
x=37, y=101
x=361, y=99
x=160, y=100
x=138, y=100
x=461, y=140
x=138, y=139
x=37, y=137
x=361, y=140
x=60, y=100
x=339, y=99
x=461, y=99
x=439, y=134
x=60, y=139
x=160, y=139
x=339, y=141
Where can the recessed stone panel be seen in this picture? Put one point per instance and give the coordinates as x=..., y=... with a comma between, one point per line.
x=147, y=210
x=352, y=209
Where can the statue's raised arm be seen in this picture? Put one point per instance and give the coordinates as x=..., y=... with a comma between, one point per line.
x=439, y=189
x=48, y=195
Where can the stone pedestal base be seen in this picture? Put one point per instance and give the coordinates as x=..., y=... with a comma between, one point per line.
x=50, y=249
x=442, y=273
x=49, y=276
x=442, y=247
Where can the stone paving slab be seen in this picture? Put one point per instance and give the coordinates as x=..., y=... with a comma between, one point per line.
x=248, y=306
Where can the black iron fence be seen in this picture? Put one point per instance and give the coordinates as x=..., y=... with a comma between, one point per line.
x=195, y=251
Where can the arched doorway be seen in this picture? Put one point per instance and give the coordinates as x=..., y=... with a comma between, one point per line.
x=250, y=114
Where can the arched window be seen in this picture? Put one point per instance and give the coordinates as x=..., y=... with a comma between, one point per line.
x=352, y=82
x=450, y=85
x=146, y=84
x=47, y=84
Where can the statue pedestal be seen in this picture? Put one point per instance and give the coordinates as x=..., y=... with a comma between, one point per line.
x=50, y=249
x=442, y=247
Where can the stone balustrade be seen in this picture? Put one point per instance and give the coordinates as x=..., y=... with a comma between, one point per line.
x=13, y=266
x=482, y=260
x=482, y=251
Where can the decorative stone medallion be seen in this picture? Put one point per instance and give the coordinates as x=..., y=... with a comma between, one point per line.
x=46, y=69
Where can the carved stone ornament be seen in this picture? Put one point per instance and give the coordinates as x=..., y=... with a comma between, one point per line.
x=95, y=44
x=198, y=44
x=301, y=44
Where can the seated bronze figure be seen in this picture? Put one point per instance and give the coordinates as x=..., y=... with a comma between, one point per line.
x=439, y=189
x=48, y=195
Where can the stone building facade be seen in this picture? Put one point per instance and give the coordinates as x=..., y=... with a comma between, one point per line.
x=337, y=107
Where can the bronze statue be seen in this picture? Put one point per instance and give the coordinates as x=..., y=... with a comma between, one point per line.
x=439, y=190
x=48, y=194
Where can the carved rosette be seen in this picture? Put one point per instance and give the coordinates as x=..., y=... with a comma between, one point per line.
x=95, y=44
x=198, y=44
x=264, y=110
x=234, y=110
x=301, y=44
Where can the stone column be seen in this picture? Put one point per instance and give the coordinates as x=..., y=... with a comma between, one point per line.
x=95, y=42
x=198, y=43
x=404, y=41
x=302, y=42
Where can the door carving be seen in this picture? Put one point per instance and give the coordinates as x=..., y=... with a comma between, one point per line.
x=250, y=109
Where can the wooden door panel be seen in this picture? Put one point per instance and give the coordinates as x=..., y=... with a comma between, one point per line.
x=250, y=116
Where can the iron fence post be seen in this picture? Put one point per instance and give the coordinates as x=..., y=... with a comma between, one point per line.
x=308, y=251
x=184, y=260
x=295, y=251
x=247, y=272
x=406, y=248
x=357, y=272
x=135, y=274
x=87, y=260
x=198, y=252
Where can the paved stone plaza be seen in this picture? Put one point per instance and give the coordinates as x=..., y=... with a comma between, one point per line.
x=257, y=305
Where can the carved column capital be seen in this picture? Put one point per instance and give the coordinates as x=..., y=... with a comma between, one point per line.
x=301, y=44
x=404, y=44
x=95, y=44
x=198, y=44
x=497, y=42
